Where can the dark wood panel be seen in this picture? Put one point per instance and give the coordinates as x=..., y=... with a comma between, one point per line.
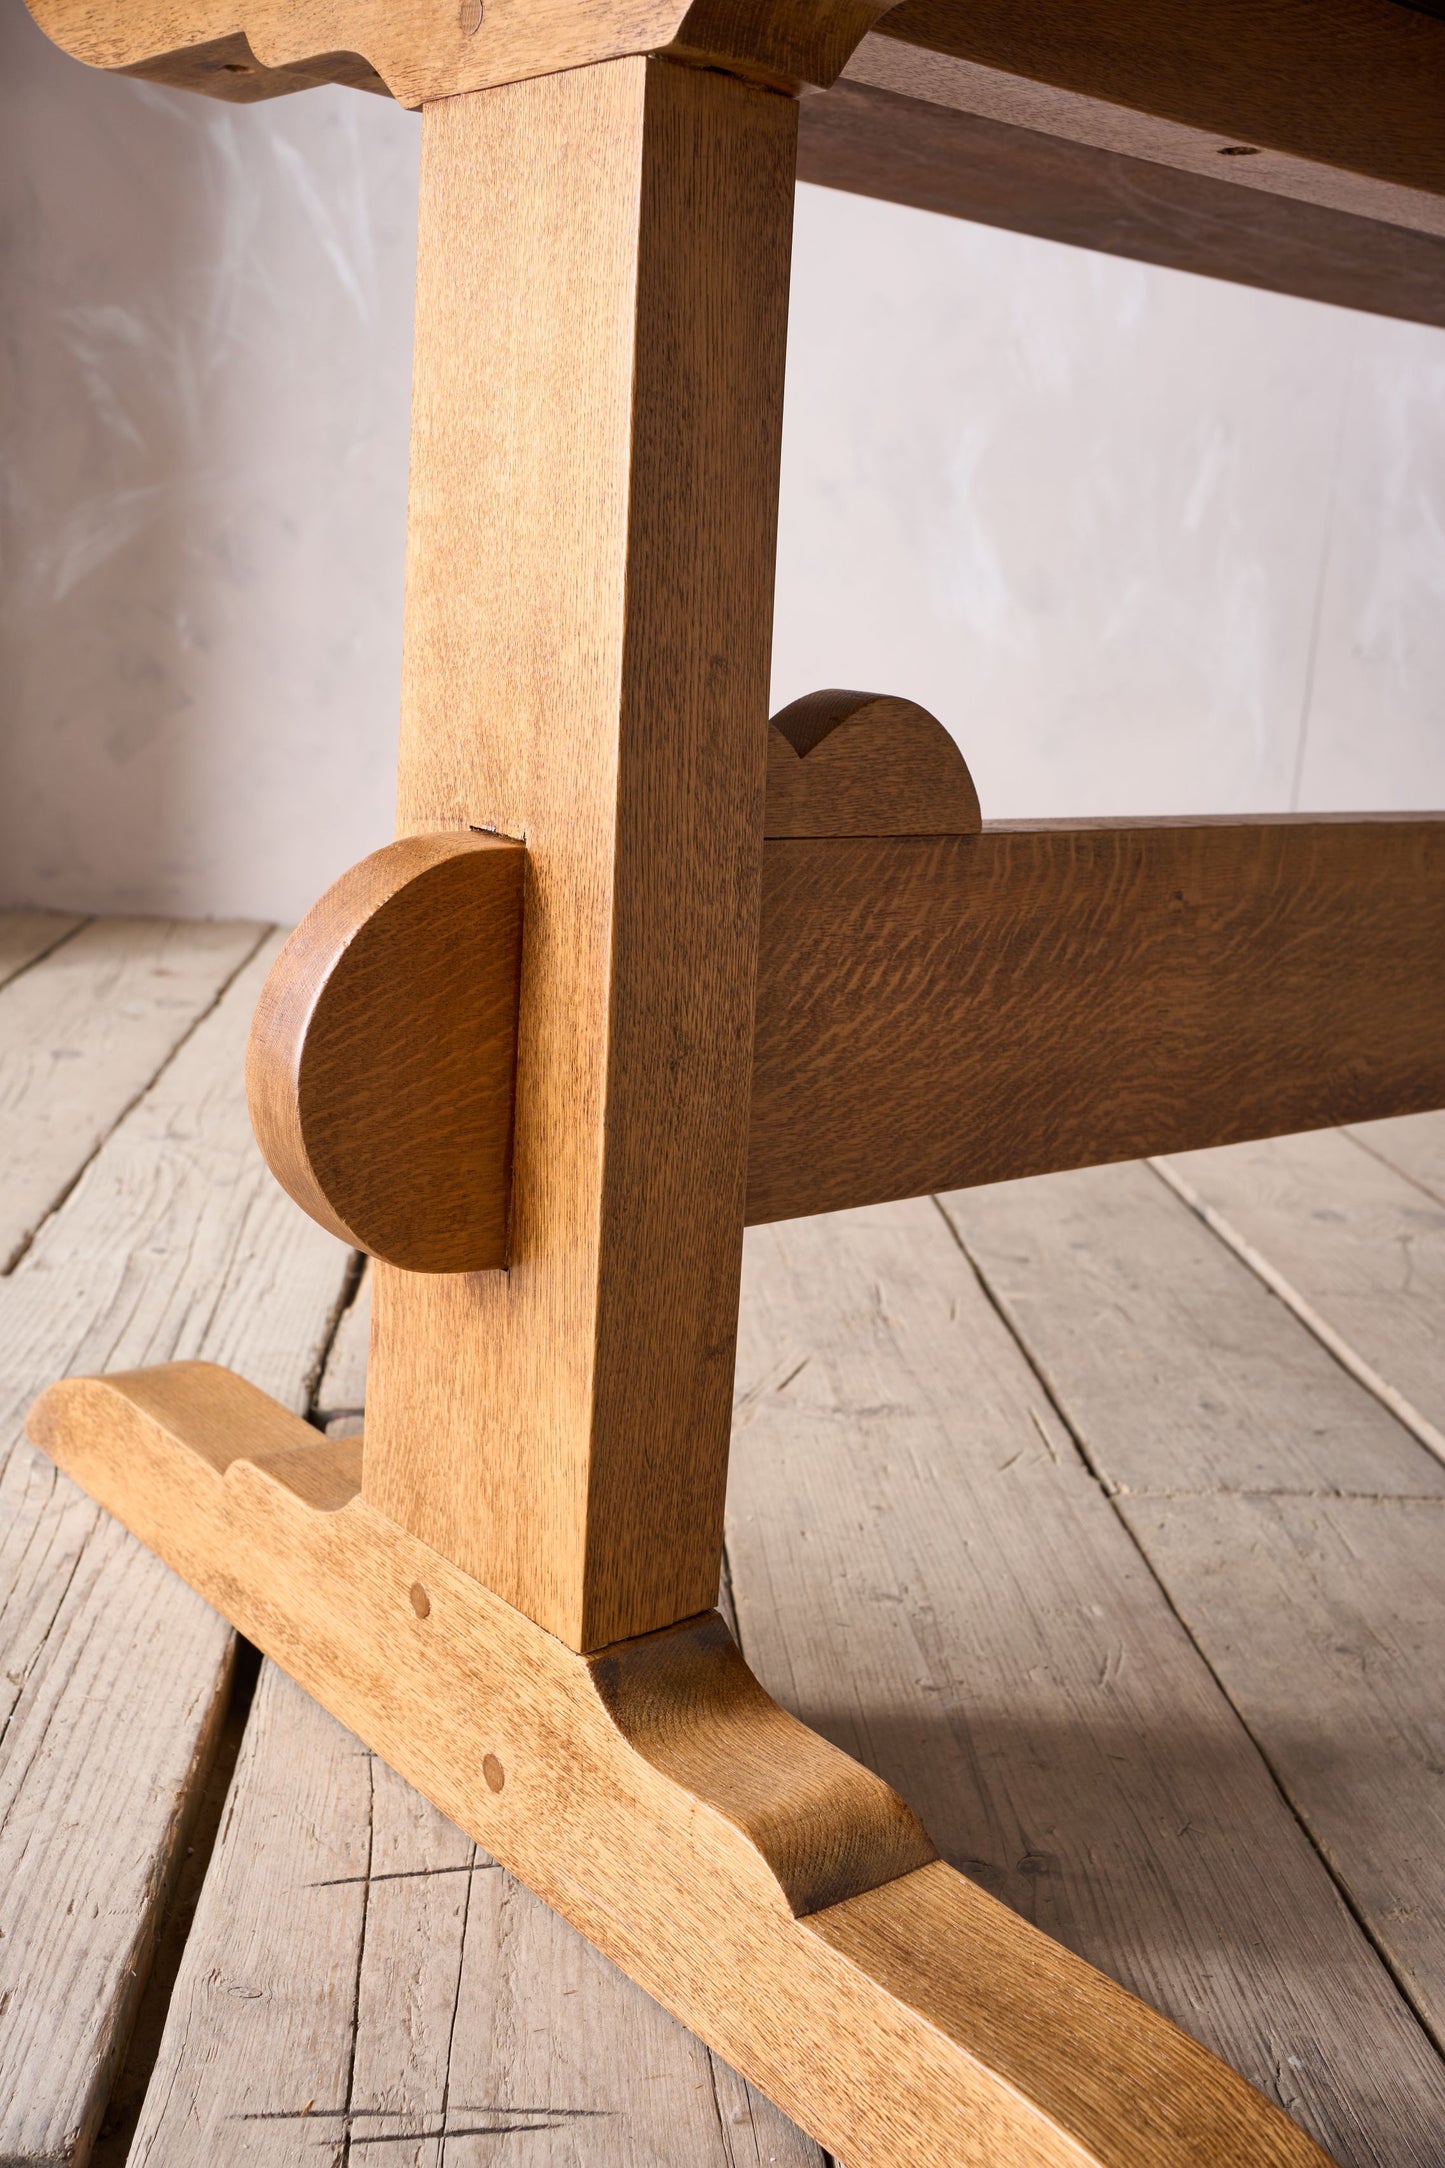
x=940, y=1011
x=1358, y=85
x=906, y=150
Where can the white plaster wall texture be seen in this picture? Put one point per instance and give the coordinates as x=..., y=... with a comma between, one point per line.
x=1145, y=542
x=204, y=384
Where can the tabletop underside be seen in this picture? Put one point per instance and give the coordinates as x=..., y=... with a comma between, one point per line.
x=1297, y=147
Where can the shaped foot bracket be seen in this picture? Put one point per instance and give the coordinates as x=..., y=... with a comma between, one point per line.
x=781, y=1900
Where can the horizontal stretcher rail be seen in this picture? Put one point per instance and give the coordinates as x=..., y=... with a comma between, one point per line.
x=935, y=1012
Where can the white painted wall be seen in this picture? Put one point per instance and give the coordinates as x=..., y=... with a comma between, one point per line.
x=1145, y=542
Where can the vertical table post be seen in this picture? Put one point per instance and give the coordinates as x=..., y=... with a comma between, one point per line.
x=601, y=316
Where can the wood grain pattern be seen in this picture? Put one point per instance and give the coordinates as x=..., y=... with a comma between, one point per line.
x=1362, y=1244
x=925, y=1569
x=381, y=1063
x=895, y=2009
x=1325, y=1620
x=865, y=764
x=598, y=398
x=26, y=936
x=176, y=1241
x=1334, y=102
x=874, y=142
x=935, y=1014
x=1180, y=1371
x=1413, y=1144
x=420, y=51
x=359, y=1969
x=956, y=1011
x=81, y=1040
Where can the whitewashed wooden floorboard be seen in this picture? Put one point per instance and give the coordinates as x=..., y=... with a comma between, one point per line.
x=82, y=1033
x=1323, y=1615
x=924, y=1569
x=1363, y=1245
x=1177, y=1367
x=341, y=1395
x=1413, y=1143
x=26, y=935
x=175, y=1242
x=447, y=2006
x=1325, y=1619
x=360, y=1983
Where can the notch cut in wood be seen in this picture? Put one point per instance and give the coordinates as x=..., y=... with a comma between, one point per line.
x=779, y=1899
x=381, y=1067
x=865, y=764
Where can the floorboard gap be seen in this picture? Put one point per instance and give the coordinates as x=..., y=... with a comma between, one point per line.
x=27, y=1242
x=67, y=933
x=128, y=2093
x=1047, y=1389
x=1404, y=1411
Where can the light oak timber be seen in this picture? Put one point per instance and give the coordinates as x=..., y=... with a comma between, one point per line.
x=381, y=1062
x=889, y=2005
x=865, y=764
x=381, y=1065
x=970, y=1008
x=932, y=1013
x=422, y=50
x=601, y=306
x=876, y=142
x=1334, y=102
x=113, y=1674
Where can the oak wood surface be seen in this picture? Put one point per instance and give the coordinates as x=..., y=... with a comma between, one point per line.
x=875, y=142
x=865, y=764
x=597, y=413
x=926, y=1571
x=359, y=1969
x=381, y=1062
x=1330, y=101
x=935, y=1013
x=80, y=1040
x=1180, y=1371
x=943, y=1012
x=247, y=49
x=175, y=1241
x=1334, y=102
x=913, y=2019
